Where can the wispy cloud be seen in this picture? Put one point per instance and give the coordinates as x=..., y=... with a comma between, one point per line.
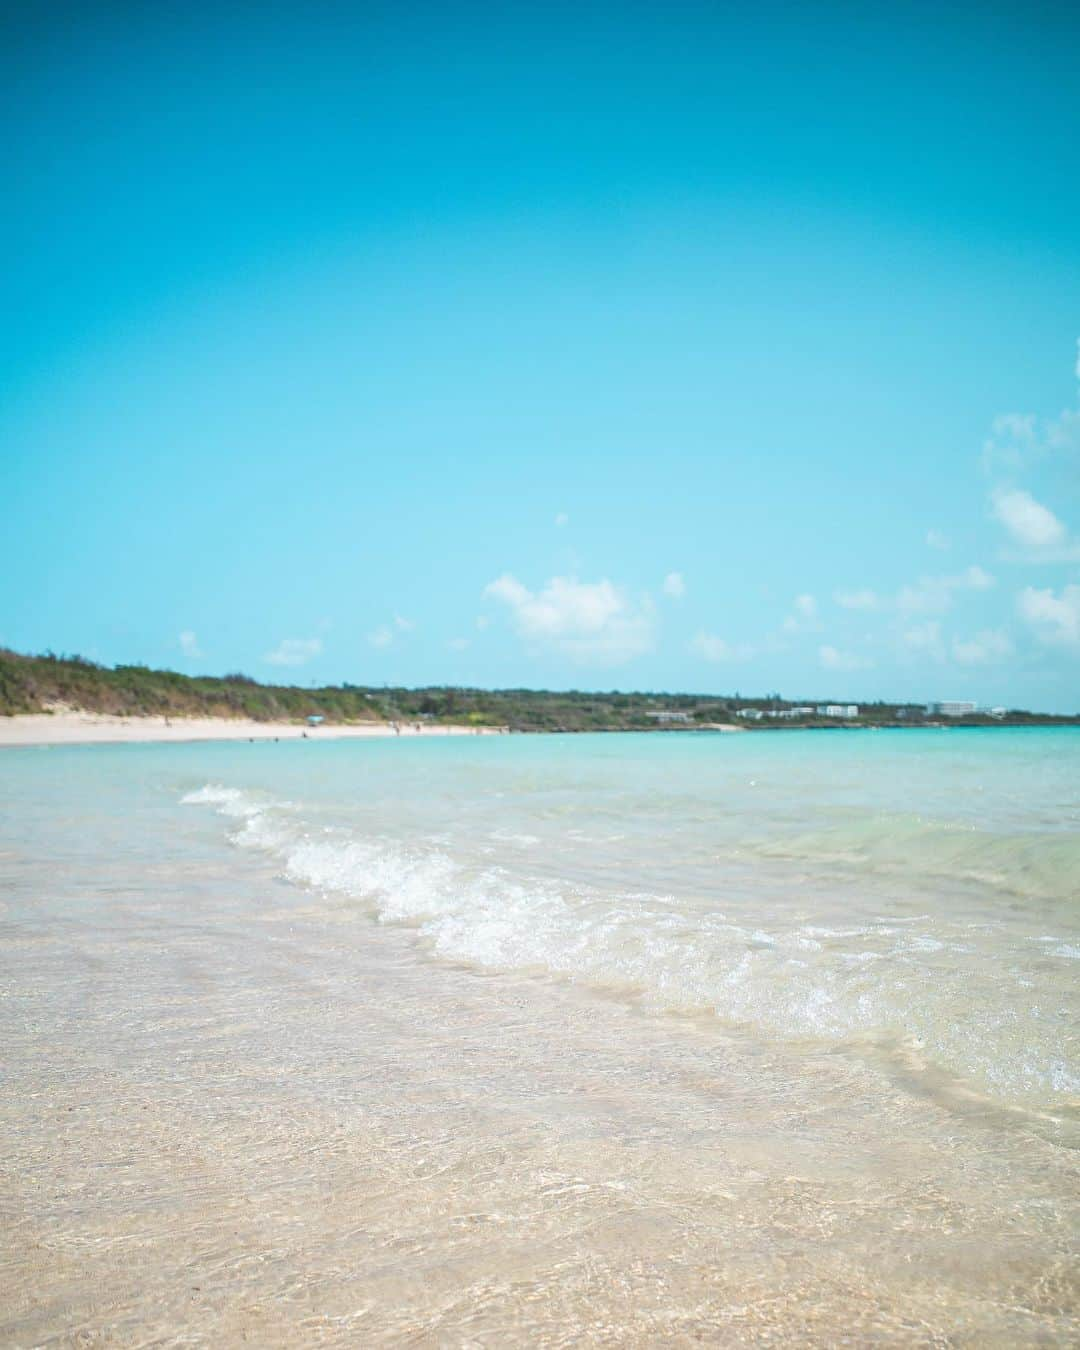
x=387, y=633
x=863, y=598
x=674, y=585
x=985, y=648
x=831, y=658
x=715, y=649
x=562, y=520
x=1055, y=619
x=934, y=595
x=935, y=539
x=924, y=640
x=294, y=651
x=804, y=618
x=1013, y=441
x=928, y=595
x=587, y=621
x=189, y=645
x=1018, y=440
x=458, y=644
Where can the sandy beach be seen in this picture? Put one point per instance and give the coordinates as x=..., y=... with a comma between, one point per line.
x=88, y=728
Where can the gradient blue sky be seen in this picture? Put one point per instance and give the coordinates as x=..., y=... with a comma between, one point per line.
x=671, y=346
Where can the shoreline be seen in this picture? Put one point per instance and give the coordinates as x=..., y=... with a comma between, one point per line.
x=71, y=727
x=88, y=728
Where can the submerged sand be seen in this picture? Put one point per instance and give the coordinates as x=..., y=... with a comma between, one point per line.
x=240, y=1110
x=240, y=1113
x=84, y=728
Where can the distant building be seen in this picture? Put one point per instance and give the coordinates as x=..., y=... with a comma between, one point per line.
x=838, y=710
x=954, y=708
x=669, y=715
x=803, y=710
x=751, y=714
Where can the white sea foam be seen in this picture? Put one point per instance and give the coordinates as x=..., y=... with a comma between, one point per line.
x=783, y=978
x=229, y=801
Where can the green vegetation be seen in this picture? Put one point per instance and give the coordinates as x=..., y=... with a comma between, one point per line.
x=41, y=683
x=47, y=683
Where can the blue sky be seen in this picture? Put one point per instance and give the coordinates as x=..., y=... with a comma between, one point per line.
x=616, y=346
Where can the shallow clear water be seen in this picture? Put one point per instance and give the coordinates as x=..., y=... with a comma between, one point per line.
x=910, y=889
x=291, y=971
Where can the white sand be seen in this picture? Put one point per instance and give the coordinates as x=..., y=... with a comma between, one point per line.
x=74, y=728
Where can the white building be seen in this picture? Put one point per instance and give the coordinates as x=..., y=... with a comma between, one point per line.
x=838, y=710
x=751, y=714
x=955, y=708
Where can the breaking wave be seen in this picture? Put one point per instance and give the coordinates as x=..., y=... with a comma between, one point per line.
x=951, y=992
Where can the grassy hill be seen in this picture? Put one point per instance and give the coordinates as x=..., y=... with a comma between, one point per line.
x=44, y=683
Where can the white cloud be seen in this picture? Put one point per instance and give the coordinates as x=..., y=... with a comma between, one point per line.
x=1020, y=439
x=934, y=595
x=294, y=651
x=587, y=621
x=482, y=622
x=805, y=618
x=860, y=599
x=458, y=644
x=833, y=659
x=935, y=539
x=386, y=634
x=715, y=649
x=924, y=639
x=1063, y=433
x=189, y=645
x=1031, y=524
x=674, y=585
x=1013, y=441
x=928, y=595
x=1034, y=527
x=987, y=646
x=1056, y=620
x=973, y=579
x=562, y=520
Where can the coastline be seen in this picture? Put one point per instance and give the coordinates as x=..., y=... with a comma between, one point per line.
x=88, y=728
x=72, y=727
